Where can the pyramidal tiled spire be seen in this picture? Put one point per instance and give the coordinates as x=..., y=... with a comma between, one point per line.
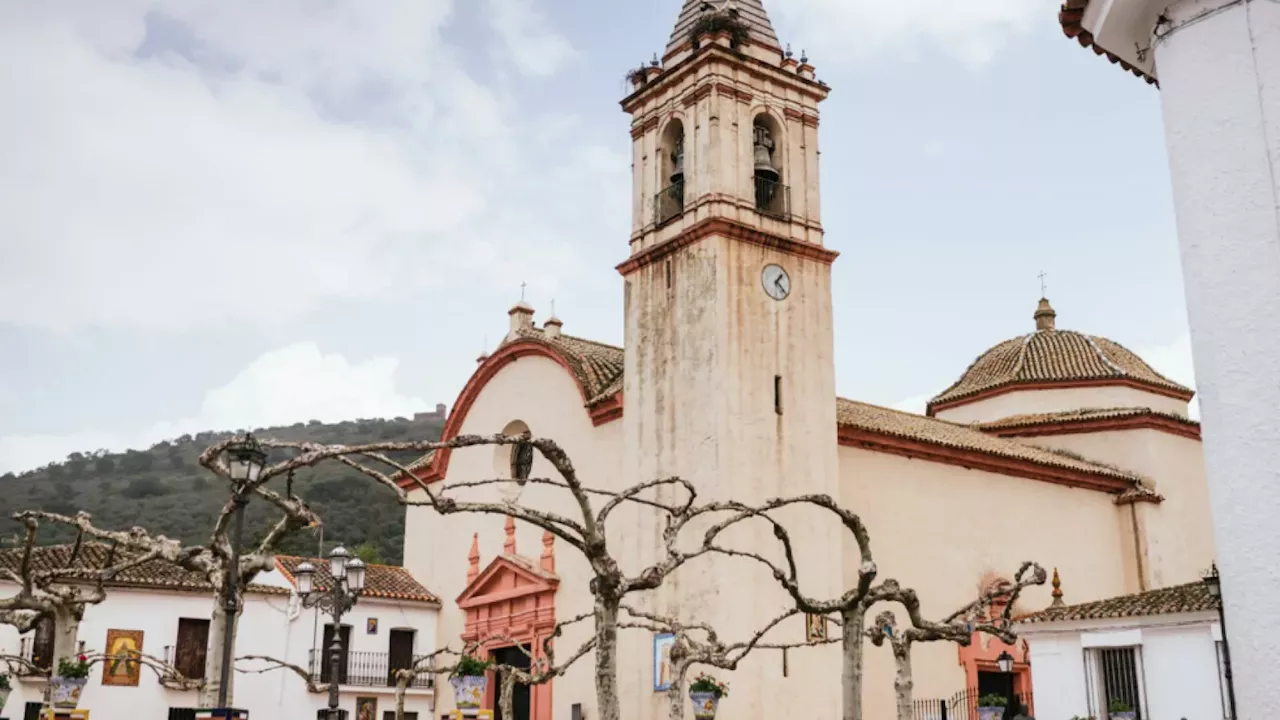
x=751, y=11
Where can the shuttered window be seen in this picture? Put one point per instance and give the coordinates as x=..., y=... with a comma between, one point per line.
x=193, y=646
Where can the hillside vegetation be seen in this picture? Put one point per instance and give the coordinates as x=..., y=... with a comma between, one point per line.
x=165, y=490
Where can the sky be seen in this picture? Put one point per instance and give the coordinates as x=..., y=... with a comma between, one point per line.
x=222, y=214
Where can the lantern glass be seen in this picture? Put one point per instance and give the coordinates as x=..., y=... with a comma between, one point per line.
x=1213, y=582
x=355, y=575
x=305, y=575
x=338, y=558
x=1005, y=661
x=246, y=459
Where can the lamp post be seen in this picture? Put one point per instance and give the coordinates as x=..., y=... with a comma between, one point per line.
x=1213, y=582
x=245, y=460
x=347, y=574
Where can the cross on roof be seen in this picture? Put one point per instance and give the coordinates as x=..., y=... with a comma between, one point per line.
x=1043, y=287
x=522, y=287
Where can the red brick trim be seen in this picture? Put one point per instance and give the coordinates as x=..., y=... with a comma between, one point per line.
x=1183, y=395
x=810, y=120
x=435, y=471
x=733, y=230
x=976, y=460
x=1071, y=15
x=1146, y=421
x=701, y=92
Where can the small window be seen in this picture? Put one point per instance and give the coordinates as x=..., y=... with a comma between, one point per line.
x=1114, y=676
x=777, y=394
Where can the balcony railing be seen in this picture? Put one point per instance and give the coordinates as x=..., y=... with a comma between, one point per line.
x=366, y=669
x=40, y=658
x=773, y=198
x=669, y=203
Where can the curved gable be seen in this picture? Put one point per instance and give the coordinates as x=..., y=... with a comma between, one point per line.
x=596, y=372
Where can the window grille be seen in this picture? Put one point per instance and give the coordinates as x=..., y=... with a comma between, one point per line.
x=1114, y=676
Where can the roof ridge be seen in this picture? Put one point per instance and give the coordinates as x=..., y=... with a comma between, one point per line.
x=1103, y=356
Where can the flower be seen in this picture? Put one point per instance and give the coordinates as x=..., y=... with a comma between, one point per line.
x=84, y=658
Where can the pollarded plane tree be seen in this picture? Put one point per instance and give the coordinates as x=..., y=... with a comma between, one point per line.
x=958, y=627
x=849, y=610
x=58, y=590
x=247, y=474
x=584, y=528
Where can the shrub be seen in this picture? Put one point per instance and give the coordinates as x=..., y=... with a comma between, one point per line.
x=470, y=666
x=992, y=700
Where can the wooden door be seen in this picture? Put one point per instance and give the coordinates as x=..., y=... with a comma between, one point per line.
x=400, y=654
x=192, y=648
x=324, y=653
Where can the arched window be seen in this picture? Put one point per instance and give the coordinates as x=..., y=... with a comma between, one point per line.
x=505, y=457
x=771, y=194
x=670, y=202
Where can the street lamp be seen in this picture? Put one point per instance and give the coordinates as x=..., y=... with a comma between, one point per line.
x=1005, y=662
x=347, y=574
x=1213, y=583
x=245, y=461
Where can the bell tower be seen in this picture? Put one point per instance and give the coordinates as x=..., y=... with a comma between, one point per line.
x=729, y=380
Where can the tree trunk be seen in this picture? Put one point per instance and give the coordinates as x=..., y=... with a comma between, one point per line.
x=507, y=695
x=675, y=693
x=851, y=672
x=218, y=629
x=401, y=684
x=607, y=705
x=66, y=629
x=903, y=683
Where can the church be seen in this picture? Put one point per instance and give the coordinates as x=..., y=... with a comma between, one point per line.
x=1054, y=445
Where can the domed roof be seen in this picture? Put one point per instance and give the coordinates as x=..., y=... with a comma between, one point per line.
x=1049, y=355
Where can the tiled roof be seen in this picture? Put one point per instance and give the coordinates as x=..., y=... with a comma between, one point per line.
x=1192, y=597
x=1055, y=356
x=1081, y=415
x=751, y=12
x=156, y=574
x=380, y=581
x=1070, y=16
x=850, y=413
x=596, y=365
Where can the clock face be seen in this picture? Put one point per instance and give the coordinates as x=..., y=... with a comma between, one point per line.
x=777, y=284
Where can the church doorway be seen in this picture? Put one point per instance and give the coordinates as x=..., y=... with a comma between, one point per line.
x=517, y=657
x=1004, y=685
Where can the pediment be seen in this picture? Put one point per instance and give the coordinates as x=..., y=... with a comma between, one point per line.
x=508, y=577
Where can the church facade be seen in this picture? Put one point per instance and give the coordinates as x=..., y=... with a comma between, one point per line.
x=1054, y=446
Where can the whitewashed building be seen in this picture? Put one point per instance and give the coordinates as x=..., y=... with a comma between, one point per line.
x=167, y=610
x=1159, y=653
x=1217, y=64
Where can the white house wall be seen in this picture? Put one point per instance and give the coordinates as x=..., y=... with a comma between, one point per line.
x=264, y=630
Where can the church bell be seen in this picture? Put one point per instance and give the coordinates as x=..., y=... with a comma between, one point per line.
x=764, y=167
x=677, y=161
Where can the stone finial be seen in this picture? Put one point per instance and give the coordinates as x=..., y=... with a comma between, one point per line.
x=1045, y=315
x=509, y=545
x=1057, y=590
x=548, y=560
x=473, y=559
x=553, y=324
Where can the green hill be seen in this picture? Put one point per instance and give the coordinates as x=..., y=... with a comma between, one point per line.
x=165, y=490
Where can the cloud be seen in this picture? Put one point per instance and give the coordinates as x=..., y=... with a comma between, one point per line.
x=972, y=32
x=292, y=384
x=534, y=47
x=172, y=164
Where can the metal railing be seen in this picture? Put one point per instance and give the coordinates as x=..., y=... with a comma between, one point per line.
x=772, y=198
x=365, y=669
x=27, y=651
x=669, y=203
x=197, y=663
x=964, y=706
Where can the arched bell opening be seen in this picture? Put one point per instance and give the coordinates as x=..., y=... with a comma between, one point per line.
x=771, y=194
x=670, y=202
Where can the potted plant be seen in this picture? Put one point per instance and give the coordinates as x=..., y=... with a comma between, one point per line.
x=469, y=682
x=1121, y=710
x=67, y=684
x=5, y=689
x=705, y=692
x=991, y=707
